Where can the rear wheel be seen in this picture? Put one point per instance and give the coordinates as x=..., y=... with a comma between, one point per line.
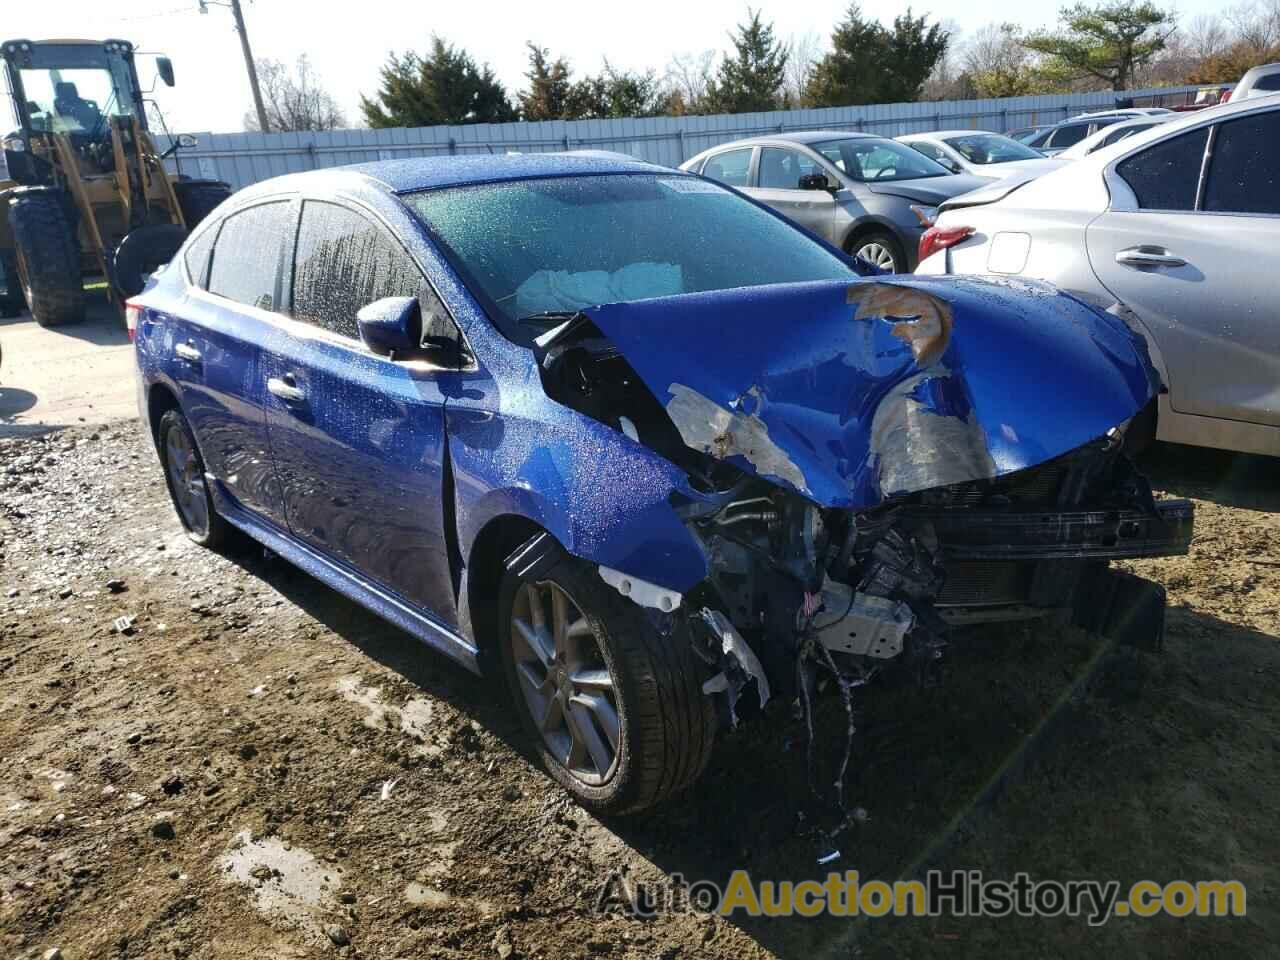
x=47, y=257
x=882, y=249
x=613, y=704
x=184, y=474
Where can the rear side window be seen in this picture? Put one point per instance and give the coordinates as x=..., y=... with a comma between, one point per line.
x=731, y=167
x=197, y=255
x=344, y=262
x=1068, y=135
x=1270, y=82
x=246, y=256
x=782, y=169
x=1244, y=176
x=1165, y=175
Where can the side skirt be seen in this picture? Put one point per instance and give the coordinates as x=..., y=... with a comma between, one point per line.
x=349, y=583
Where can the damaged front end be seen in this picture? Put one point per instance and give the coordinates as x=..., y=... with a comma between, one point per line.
x=872, y=464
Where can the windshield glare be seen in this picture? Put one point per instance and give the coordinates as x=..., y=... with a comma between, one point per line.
x=984, y=148
x=75, y=100
x=562, y=244
x=876, y=160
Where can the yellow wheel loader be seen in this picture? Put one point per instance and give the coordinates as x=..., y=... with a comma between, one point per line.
x=83, y=187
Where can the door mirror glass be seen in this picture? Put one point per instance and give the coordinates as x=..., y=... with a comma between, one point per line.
x=391, y=327
x=815, y=181
x=164, y=66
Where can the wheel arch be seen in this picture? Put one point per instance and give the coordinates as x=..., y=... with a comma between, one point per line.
x=482, y=579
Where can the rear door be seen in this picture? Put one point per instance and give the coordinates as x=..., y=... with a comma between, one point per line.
x=359, y=440
x=1190, y=245
x=234, y=269
x=777, y=183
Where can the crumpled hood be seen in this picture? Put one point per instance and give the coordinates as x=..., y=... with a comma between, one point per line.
x=851, y=392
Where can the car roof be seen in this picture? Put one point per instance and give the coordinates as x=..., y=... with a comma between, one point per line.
x=798, y=136
x=428, y=173
x=943, y=134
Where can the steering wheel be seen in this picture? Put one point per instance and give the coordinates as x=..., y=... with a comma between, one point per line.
x=883, y=171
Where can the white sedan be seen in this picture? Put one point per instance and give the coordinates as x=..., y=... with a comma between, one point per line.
x=1113, y=134
x=1173, y=229
x=992, y=156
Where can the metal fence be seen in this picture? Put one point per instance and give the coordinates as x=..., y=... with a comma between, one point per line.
x=245, y=158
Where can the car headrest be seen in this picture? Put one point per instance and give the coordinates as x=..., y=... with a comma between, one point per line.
x=65, y=90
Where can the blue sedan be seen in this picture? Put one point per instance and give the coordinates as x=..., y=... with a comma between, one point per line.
x=636, y=443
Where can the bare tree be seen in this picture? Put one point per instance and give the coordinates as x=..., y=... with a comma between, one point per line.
x=805, y=50
x=1205, y=36
x=689, y=77
x=294, y=100
x=1256, y=24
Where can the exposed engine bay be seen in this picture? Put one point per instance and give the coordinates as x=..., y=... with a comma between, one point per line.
x=798, y=592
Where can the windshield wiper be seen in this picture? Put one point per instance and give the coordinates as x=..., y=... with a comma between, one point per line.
x=548, y=318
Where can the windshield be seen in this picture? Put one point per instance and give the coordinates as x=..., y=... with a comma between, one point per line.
x=561, y=244
x=984, y=148
x=874, y=159
x=74, y=89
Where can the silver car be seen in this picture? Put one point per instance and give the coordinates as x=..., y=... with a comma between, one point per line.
x=868, y=195
x=1174, y=229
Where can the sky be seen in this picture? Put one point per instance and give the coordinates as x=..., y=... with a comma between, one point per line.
x=348, y=41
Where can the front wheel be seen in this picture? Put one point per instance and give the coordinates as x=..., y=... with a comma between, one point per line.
x=47, y=257
x=882, y=249
x=612, y=701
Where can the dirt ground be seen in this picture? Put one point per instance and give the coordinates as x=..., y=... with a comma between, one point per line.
x=255, y=767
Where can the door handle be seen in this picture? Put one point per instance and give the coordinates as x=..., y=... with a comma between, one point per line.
x=286, y=391
x=1149, y=257
x=187, y=352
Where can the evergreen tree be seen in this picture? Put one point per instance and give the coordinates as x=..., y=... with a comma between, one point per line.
x=869, y=64
x=752, y=78
x=444, y=87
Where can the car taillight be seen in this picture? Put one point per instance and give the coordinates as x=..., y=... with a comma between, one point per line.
x=132, y=313
x=939, y=238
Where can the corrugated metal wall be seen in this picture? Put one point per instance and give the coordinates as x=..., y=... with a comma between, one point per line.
x=244, y=158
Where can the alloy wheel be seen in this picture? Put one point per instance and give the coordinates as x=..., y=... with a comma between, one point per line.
x=878, y=254
x=565, y=681
x=186, y=479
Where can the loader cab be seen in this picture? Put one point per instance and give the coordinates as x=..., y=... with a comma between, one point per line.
x=69, y=87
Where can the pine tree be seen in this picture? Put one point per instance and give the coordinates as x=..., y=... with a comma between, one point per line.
x=444, y=87
x=751, y=79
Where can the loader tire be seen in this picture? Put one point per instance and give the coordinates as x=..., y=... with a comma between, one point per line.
x=47, y=255
x=141, y=253
x=11, y=299
x=198, y=198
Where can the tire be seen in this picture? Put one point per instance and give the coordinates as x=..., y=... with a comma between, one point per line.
x=12, y=300
x=880, y=248
x=184, y=475
x=665, y=725
x=198, y=198
x=47, y=255
x=141, y=253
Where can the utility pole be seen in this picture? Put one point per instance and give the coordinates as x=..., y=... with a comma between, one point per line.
x=248, y=58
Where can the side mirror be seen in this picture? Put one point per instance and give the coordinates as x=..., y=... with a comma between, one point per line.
x=815, y=181
x=165, y=68
x=392, y=326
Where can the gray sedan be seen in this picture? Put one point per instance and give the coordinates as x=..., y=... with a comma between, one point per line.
x=868, y=195
x=1174, y=229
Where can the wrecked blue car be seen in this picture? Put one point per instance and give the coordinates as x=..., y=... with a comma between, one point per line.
x=639, y=445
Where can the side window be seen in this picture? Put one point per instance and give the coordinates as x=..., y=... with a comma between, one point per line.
x=1270, y=82
x=932, y=151
x=1068, y=135
x=246, y=255
x=197, y=255
x=730, y=167
x=1243, y=174
x=782, y=169
x=1165, y=175
x=344, y=262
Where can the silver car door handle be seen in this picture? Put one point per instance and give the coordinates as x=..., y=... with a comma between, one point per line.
x=285, y=391
x=186, y=351
x=1140, y=257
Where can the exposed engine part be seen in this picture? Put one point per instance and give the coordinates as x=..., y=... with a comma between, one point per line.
x=740, y=664
x=862, y=625
x=641, y=591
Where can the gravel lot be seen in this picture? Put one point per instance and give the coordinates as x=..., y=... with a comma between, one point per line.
x=253, y=766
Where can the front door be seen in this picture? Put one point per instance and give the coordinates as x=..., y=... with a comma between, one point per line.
x=778, y=185
x=358, y=439
x=1197, y=263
